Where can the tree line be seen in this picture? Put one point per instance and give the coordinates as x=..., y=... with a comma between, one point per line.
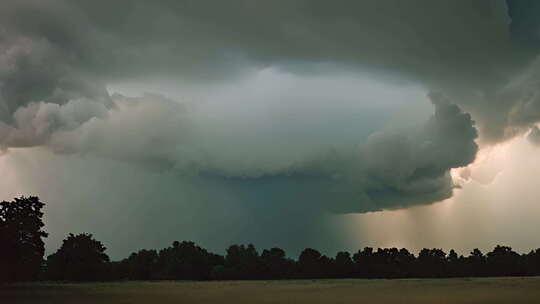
x=83, y=258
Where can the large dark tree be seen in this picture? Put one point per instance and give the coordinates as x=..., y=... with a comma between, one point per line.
x=343, y=265
x=311, y=264
x=503, y=261
x=475, y=264
x=364, y=263
x=431, y=263
x=276, y=265
x=21, y=234
x=141, y=265
x=243, y=262
x=80, y=258
x=186, y=261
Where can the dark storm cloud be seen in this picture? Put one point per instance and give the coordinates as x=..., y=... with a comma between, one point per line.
x=470, y=50
x=395, y=168
x=57, y=57
x=411, y=167
x=443, y=40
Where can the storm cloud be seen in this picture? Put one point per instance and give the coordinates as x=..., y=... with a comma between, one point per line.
x=475, y=60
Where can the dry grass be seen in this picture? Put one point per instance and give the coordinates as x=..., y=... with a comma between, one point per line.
x=463, y=291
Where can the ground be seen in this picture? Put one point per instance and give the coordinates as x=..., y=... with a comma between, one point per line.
x=415, y=291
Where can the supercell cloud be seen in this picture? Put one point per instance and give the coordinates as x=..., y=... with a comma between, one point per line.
x=476, y=60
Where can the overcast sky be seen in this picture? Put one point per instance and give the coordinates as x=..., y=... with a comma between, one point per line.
x=306, y=123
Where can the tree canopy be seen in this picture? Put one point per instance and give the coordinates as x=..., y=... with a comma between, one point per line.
x=21, y=239
x=80, y=258
x=83, y=258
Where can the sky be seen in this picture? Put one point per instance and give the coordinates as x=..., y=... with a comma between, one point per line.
x=308, y=123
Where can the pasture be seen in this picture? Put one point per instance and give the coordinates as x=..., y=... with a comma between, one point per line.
x=414, y=291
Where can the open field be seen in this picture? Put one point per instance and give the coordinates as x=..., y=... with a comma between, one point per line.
x=417, y=291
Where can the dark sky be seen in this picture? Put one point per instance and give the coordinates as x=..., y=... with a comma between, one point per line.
x=258, y=121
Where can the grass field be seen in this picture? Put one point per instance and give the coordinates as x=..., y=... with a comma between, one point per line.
x=454, y=291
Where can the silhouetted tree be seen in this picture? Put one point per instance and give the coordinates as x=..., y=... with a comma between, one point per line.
x=405, y=261
x=385, y=263
x=186, y=261
x=431, y=263
x=21, y=239
x=391, y=263
x=532, y=261
x=243, y=262
x=80, y=258
x=503, y=261
x=141, y=265
x=343, y=265
x=364, y=262
x=454, y=264
x=475, y=264
x=276, y=265
x=311, y=264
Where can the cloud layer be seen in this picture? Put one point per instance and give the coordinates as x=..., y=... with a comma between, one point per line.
x=58, y=57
